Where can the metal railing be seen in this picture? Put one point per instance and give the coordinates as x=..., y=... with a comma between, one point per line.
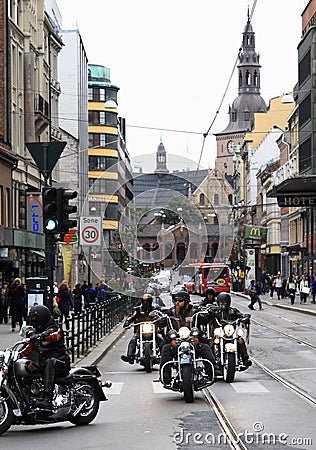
x=83, y=330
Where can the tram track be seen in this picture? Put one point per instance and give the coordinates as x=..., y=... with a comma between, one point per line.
x=233, y=438
x=283, y=333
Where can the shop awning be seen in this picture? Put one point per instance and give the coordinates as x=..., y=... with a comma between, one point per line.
x=39, y=253
x=295, y=186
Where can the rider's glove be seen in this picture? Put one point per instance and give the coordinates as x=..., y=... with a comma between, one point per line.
x=35, y=338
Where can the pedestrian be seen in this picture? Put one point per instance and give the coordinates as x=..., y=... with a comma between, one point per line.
x=91, y=296
x=258, y=293
x=263, y=282
x=291, y=287
x=4, y=303
x=304, y=289
x=252, y=294
x=314, y=288
x=77, y=298
x=65, y=303
x=278, y=285
x=16, y=302
x=101, y=293
x=272, y=285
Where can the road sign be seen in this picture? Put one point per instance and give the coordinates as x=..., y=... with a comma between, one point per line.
x=46, y=155
x=90, y=230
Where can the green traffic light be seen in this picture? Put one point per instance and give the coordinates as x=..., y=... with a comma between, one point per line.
x=51, y=225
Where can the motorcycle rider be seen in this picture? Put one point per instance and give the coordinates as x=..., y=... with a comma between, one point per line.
x=47, y=340
x=210, y=297
x=226, y=312
x=153, y=290
x=140, y=314
x=181, y=316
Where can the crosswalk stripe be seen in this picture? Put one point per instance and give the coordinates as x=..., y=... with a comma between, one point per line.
x=250, y=387
x=115, y=389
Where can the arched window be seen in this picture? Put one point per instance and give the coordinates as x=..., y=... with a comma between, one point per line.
x=216, y=199
x=214, y=249
x=146, y=247
x=180, y=251
x=255, y=78
x=230, y=199
x=248, y=78
x=202, y=200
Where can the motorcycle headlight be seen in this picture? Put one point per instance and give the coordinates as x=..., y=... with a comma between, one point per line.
x=229, y=330
x=195, y=332
x=147, y=328
x=184, y=332
x=172, y=334
x=217, y=332
x=240, y=332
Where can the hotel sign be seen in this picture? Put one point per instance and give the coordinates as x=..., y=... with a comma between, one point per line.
x=296, y=200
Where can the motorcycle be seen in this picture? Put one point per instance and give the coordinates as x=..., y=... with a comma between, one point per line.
x=147, y=350
x=76, y=398
x=226, y=336
x=187, y=370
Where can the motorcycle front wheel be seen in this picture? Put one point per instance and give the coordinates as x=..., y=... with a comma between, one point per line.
x=188, y=392
x=229, y=367
x=147, y=358
x=86, y=404
x=6, y=417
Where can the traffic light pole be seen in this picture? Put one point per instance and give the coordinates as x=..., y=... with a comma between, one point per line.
x=49, y=250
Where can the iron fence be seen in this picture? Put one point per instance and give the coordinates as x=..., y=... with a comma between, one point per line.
x=85, y=329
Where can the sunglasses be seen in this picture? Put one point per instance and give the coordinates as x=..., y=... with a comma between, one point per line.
x=179, y=300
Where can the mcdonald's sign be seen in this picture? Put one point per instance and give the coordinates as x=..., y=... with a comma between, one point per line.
x=256, y=233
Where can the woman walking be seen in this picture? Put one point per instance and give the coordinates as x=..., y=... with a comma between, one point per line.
x=291, y=287
x=16, y=302
x=4, y=303
x=65, y=303
x=304, y=289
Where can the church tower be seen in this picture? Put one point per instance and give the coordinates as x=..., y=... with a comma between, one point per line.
x=161, y=160
x=248, y=102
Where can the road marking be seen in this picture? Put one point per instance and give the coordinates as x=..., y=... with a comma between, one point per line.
x=115, y=389
x=159, y=389
x=298, y=369
x=249, y=387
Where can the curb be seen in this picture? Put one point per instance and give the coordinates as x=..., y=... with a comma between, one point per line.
x=309, y=312
x=102, y=347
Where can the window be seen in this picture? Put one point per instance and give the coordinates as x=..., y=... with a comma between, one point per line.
x=103, y=186
x=102, y=162
x=304, y=113
x=304, y=68
x=202, y=200
x=90, y=94
x=216, y=200
x=305, y=155
x=103, y=140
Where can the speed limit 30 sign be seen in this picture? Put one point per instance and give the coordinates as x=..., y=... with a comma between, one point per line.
x=90, y=230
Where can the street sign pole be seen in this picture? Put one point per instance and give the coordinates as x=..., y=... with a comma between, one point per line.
x=46, y=155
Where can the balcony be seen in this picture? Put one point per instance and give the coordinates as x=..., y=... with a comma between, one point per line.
x=41, y=112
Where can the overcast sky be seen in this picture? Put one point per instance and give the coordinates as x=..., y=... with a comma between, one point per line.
x=172, y=60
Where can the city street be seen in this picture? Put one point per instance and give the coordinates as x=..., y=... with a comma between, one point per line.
x=273, y=400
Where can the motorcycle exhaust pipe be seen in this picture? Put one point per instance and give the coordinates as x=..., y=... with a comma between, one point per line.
x=107, y=384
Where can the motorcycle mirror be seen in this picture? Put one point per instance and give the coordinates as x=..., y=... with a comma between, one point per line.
x=25, y=330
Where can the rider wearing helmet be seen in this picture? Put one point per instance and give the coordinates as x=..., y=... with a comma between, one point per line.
x=140, y=314
x=181, y=316
x=47, y=339
x=178, y=288
x=210, y=297
x=153, y=290
x=226, y=312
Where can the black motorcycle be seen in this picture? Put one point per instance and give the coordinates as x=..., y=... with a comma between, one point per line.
x=76, y=399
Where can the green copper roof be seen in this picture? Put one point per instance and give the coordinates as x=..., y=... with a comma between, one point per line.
x=99, y=75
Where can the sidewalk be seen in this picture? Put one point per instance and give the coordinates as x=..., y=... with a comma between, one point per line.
x=7, y=338
x=306, y=308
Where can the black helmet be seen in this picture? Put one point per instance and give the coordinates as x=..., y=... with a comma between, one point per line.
x=176, y=290
x=210, y=291
x=182, y=295
x=39, y=316
x=147, y=301
x=223, y=300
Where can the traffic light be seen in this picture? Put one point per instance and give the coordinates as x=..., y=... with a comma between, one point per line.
x=50, y=210
x=64, y=195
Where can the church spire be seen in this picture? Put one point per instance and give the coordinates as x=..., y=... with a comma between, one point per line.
x=161, y=159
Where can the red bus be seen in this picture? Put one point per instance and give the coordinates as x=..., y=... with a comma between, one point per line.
x=197, y=277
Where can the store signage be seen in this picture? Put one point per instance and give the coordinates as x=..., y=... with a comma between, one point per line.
x=296, y=200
